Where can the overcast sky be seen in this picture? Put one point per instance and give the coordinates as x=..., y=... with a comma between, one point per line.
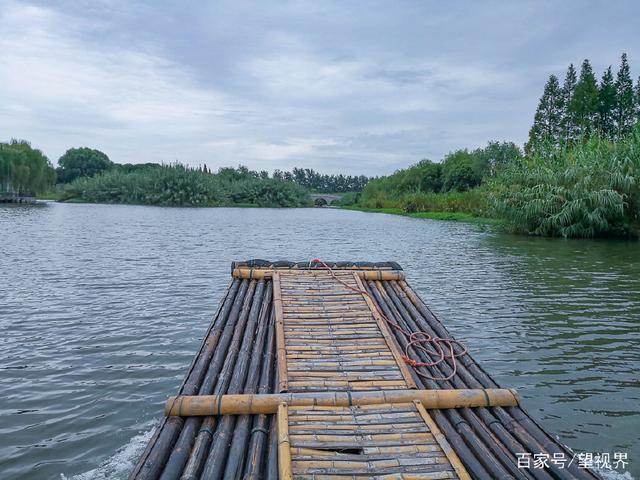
x=353, y=87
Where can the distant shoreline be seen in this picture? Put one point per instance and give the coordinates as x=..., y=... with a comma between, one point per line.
x=445, y=216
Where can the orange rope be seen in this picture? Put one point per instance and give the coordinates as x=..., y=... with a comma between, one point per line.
x=415, y=340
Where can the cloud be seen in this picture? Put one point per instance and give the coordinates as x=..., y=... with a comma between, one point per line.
x=358, y=87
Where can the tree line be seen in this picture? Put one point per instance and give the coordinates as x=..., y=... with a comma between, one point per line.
x=323, y=183
x=459, y=171
x=582, y=107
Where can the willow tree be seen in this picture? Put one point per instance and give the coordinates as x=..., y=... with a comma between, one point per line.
x=24, y=170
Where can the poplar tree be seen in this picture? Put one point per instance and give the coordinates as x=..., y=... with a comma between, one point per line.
x=625, y=111
x=568, y=127
x=584, y=104
x=606, y=105
x=638, y=101
x=546, y=129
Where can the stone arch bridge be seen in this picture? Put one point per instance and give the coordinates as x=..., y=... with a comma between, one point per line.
x=324, y=199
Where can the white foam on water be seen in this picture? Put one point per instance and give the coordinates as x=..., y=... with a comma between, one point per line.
x=613, y=475
x=120, y=464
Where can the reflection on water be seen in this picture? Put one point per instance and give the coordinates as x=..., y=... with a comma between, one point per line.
x=102, y=308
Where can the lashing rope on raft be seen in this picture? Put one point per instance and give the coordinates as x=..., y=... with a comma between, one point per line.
x=415, y=340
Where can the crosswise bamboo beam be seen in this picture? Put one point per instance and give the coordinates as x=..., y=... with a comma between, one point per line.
x=208, y=405
x=259, y=274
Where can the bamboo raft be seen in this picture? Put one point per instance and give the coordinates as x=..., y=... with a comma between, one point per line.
x=313, y=371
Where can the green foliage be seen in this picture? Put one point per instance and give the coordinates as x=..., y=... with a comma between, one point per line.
x=458, y=173
x=492, y=159
x=348, y=199
x=568, y=127
x=606, y=105
x=547, y=122
x=177, y=185
x=449, y=186
x=590, y=190
x=82, y=162
x=23, y=169
x=322, y=183
x=625, y=102
x=583, y=107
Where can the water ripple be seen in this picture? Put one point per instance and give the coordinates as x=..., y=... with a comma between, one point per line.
x=102, y=308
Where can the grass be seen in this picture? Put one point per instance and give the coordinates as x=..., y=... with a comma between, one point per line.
x=446, y=216
x=48, y=196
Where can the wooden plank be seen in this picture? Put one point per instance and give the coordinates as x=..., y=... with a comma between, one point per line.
x=388, y=336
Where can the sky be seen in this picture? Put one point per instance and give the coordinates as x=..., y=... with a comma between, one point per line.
x=341, y=87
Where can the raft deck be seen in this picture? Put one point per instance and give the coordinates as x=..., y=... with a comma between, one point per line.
x=308, y=372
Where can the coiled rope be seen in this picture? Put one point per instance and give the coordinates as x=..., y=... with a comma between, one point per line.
x=435, y=347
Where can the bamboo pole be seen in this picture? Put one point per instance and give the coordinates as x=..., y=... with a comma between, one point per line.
x=259, y=274
x=471, y=449
x=442, y=441
x=524, y=430
x=246, y=363
x=257, y=378
x=281, y=348
x=484, y=424
x=223, y=362
x=284, y=447
x=260, y=431
x=388, y=336
x=211, y=405
x=157, y=452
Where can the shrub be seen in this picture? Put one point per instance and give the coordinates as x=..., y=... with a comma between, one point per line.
x=589, y=190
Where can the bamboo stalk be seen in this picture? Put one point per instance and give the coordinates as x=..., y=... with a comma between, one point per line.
x=532, y=437
x=259, y=433
x=284, y=447
x=388, y=336
x=223, y=363
x=442, y=441
x=281, y=348
x=260, y=274
x=476, y=453
x=210, y=405
x=247, y=360
x=258, y=373
x=492, y=433
x=156, y=454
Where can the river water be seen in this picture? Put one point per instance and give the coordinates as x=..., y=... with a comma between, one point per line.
x=103, y=307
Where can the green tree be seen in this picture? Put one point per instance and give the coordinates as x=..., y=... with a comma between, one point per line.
x=82, y=162
x=584, y=104
x=493, y=158
x=24, y=170
x=568, y=123
x=430, y=175
x=607, y=105
x=625, y=104
x=547, y=126
x=458, y=173
x=638, y=102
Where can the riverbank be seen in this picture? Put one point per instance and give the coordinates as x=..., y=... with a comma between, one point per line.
x=445, y=216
